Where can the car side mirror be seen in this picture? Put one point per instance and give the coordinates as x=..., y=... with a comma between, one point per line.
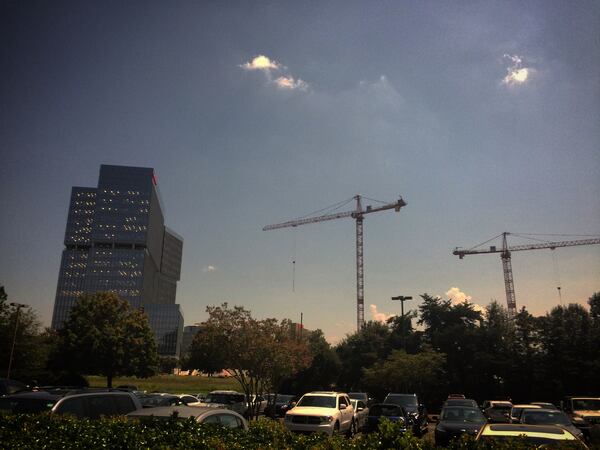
x=343, y=407
x=292, y=404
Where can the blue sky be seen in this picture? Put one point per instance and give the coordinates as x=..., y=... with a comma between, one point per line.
x=482, y=115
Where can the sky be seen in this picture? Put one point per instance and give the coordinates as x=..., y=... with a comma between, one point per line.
x=483, y=116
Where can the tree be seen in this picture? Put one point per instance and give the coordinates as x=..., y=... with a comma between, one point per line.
x=30, y=355
x=323, y=371
x=422, y=373
x=259, y=354
x=361, y=350
x=104, y=335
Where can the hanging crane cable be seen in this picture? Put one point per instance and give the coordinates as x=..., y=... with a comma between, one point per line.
x=557, y=276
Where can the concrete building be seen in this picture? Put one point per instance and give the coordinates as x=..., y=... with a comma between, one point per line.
x=116, y=241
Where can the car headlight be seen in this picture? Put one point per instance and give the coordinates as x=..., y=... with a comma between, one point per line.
x=326, y=419
x=579, y=420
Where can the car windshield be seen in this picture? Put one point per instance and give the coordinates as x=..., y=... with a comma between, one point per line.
x=545, y=418
x=502, y=407
x=460, y=402
x=158, y=400
x=471, y=415
x=224, y=398
x=283, y=398
x=586, y=403
x=404, y=400
x=319, y=401
x=386, y=411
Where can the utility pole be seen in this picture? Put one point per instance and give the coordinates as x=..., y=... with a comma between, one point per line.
x=402, y=299
x=12, y=350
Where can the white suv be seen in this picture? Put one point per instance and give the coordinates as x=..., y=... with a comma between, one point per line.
x=322, y=412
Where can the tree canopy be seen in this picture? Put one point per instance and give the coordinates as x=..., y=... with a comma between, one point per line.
x=105, y=335
x=259, y=354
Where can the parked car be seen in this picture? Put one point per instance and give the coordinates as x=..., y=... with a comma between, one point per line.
x=456, y=421
x=390, y=411
x=460, y=402
x=537, y=435
x=456, y=396
x=278, y=405
x=323, y=412
x=93, y=405
x=8, y=387
x=550, y=417
x=155, y=399
x=416, y=412
x=497, y=411
x=584, y=412
x=236, y=401
x=28, y=402
x=517, y=410
x=361, y=396
x=204, y=415
x=546, y=405
x=361, y=413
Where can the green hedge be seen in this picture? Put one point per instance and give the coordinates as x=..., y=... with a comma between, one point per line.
x=46, y=431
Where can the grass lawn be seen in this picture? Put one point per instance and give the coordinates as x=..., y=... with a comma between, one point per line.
x=174, y=384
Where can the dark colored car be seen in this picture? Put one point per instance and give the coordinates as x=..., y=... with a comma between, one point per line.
x=456, y=421
x=416, y=412
x=390, y=411
x=467, y=402
x=28, y=402
x=91, y=404
x=278, y=406
x=8, y=387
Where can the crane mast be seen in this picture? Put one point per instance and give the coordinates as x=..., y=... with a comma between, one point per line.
x=505, y=255
x=358, y=215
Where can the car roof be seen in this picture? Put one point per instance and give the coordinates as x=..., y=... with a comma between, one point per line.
x=527, y=405
x=224, y=391
x=514, y=429
x=34, y=394
x=331, y=393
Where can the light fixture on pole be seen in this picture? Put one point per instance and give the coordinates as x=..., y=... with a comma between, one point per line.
x=12, y=350
x=402, y=299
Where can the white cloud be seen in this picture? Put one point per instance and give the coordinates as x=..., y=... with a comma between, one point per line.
x=261, y=62
x=209, y=268
x=457, y=296
x=379, y=316
x=285, y=81
x=289, y=83
x=516, y=73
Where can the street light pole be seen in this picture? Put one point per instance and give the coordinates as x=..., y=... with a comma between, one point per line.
x=402, y=299
x=12, y=350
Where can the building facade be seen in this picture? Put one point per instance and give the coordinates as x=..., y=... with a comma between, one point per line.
x=116, y=241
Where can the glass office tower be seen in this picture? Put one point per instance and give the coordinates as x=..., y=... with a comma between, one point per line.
x=116, y=241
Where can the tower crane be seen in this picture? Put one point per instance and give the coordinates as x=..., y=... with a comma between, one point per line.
x=358, y=215
x=505, y=255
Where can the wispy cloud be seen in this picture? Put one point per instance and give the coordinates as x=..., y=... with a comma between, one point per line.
x=379, y=316
x=261, y=62
x=285, y=81
x=457, y=296
x=516, y=73
x=209, y=268
x=289, y=83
